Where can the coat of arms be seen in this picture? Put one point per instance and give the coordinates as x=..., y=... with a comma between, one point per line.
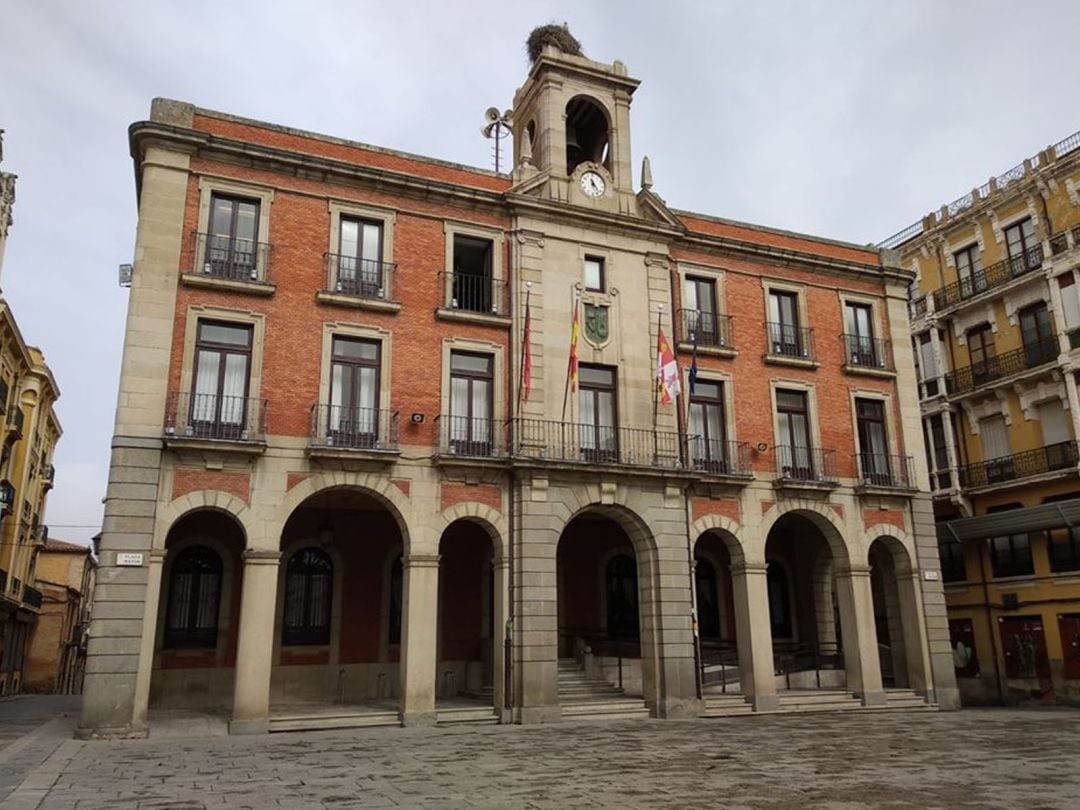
x=596, y=323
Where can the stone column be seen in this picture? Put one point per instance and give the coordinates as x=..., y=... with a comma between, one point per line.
x=418, y=639
x=859, y=634
x=753, y=634
x=255, y=648
x=914, y=629
x=666, y=612
x=149, y=637
x=536, y=614
x=501, y=606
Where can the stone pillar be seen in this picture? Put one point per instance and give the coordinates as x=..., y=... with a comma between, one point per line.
x=418, y=639
x=753, y=634
x=501, y=584
x=666, y=612
x=536, y=615
x=149, y=634
x=859, y=634
x=255, y=648
x=914, y=630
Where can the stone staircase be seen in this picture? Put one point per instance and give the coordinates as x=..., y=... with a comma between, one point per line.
x=818, y=700
x=584, y=698
x=473, y=715
x=907, y=700
x=325, y=718
x=726, y=705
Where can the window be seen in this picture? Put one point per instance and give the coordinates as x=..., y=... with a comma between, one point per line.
x=1063, y=544
x=1070, y=301
x=859, y=336
x=928, y=365
x=969, y=269
x=953, y=567
x=222, y=364
x=472, y=281
x=194, y=596
x=708, y=445
x=471, y=403
x=794, y=441
x=232, y=241
x=937, y=451
x=785, y=336
x=594, y=273
x=1011, y=556
x=1040, y=344
x=702, y=324
x=622, y=598
x=309, y=581
x=995, y=437
x=708, y=603
x=980, y=341
x=873, y=442
x=353, y=413
x=596, y=399
x=779, y=601
x=1020, y=244
x=360, y=269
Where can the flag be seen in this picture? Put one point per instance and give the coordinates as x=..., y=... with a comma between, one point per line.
x=693, y=365
x=573, y=349
x=667, y=371
x=526, y=365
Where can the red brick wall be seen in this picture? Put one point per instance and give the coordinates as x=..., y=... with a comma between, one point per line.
x=727, y=507
x=893, y=517
x=487, y=494
x=234, y=482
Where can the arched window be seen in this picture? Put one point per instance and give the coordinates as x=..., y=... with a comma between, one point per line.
x=622, y=598
x=397, y=576
x=309, y=579
x=708, y=606
x=586, y=134
x=779, y=601
x=194, y=596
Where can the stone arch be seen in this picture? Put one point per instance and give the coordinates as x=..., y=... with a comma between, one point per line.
x=490, y=520
x=900, y=588
x=211, y=499
x=827, y=521
x=899, y=543
x=588, y=131
x=377, y=486
x=723, y=527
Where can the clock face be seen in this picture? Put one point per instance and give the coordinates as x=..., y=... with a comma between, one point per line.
x=592, y=184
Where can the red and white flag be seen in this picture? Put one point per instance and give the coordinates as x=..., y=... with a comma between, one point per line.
x=667, y=371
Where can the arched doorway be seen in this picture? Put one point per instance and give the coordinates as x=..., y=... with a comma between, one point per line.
x=896, y=617
x=717, y=636
x=468, y=631
x=198, y=614
x=338, y=618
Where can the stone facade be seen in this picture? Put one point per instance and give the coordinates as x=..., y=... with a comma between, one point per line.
x=455, y=536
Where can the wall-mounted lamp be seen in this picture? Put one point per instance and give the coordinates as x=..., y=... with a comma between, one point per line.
x=417, y=418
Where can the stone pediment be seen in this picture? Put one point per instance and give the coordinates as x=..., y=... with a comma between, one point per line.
x=652, y=207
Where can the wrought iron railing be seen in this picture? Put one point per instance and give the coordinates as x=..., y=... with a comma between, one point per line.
x=31, y=597
x=882, y=470
x=867, y=352
x=360, y=278
x=999, y=366
x=705, y=328
x=812, y=465
x=1054, y=457
x=475, y=293
x=992, y=277
x=232, y=259
x=718, y=657
x=786, y=340
x=718, y=456
x=215, y=417
x=7, y=496
x=1074, y=338
x=353, y=428
x=792, y=657
x=596, y=444
x=470, y=436
x=1059, y=243
x=917, y=307
x=16, y=420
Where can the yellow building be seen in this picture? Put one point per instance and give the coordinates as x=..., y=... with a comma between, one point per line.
x=996, y=326
x=29, y=431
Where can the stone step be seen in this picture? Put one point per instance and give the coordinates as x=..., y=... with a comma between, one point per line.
x=320, y=722
x=481, y=715
x=607, y=709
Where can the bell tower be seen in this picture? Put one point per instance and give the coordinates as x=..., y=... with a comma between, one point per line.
x=572, y=126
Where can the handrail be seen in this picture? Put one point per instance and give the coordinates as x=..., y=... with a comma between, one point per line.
x=359, y=278
x=989, y=278
x=334, y=426
x=1040, y=460
x=231, y=258
x=998, y=366
x=215, y=417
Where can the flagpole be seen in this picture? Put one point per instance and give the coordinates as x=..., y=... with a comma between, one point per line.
x=524, y=347
x=656, y=374
x=573, y=349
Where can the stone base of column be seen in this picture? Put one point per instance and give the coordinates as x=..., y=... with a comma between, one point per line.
x=873, y=699
x=419, y=719
x=765, y=703
x=529, y=715
x=260, y=726
x=679, y=708
x=110, y=733
x=506, y=716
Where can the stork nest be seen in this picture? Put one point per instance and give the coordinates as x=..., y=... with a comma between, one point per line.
x=557, y=35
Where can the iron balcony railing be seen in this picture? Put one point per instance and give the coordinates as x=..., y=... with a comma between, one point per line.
x=233, y=259
x=7, y=496
x=999, y=366
x=360, y=278
x=867, y=352
x=353, y=428
x=786, y=340
x=1054, y=457
x=475, y=293
x=470, y=436
x=992, y=277
x=16, y=420
x=596, y=444
x=705, y=328
x=883, y=470
x=717, y=456
x=32, y=597
x=1074, y=338
x=917, y=307
x=215, y=417
x=1059, y=243
x=812, y=465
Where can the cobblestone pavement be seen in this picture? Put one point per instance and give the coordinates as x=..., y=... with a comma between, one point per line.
x=31, y=728
x=969, y=759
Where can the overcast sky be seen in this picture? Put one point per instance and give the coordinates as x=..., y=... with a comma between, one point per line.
x=844, y=119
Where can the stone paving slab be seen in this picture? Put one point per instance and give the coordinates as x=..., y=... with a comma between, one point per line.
x=968, y=759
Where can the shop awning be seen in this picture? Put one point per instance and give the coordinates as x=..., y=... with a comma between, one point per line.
x=1060, y=515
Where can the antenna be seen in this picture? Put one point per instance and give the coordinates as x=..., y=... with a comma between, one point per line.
x=497, y=126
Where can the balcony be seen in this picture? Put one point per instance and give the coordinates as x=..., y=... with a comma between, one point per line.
x=812, y=467
x=993, y=277
x=789, y=344
x=364, y=433
x=586, y=443
x=917, y=307
x=16, y=421
x=999, y=366
x=867, y=355
x=7, y=497
x=48, y=477
x=881, y=471
x=1040, y=461
x=716, y=457
x=706, y=329
x=474, y=297
x=32, y=597
x=216, y=420
x=1064, y=241
x=470, y=438
x=1074, y=338
x=361, y=283
x=5, y=392
x=239, y=264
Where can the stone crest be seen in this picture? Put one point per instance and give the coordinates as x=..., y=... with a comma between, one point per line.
x=597, y=326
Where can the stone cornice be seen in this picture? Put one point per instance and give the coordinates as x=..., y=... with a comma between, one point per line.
x=563, y=212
